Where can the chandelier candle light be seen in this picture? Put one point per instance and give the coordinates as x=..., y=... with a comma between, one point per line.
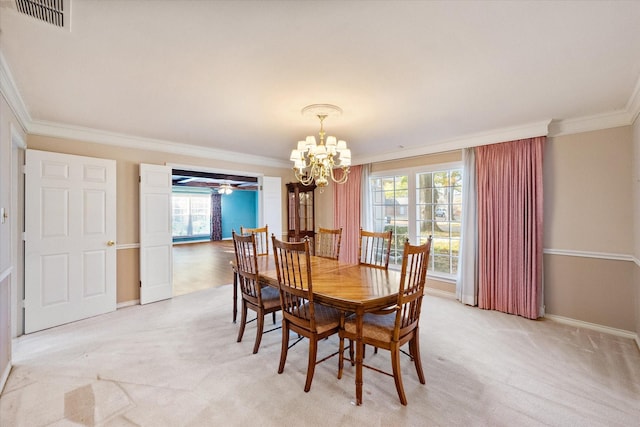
x=316, y=162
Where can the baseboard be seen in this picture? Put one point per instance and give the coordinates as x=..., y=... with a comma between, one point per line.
x=594, y=327
x=440, y=293
x=128, y=303
x=5, y=377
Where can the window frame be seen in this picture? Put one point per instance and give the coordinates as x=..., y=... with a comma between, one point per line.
x=412, y=203
x=191, y=192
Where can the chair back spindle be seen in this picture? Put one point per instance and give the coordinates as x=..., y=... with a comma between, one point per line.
x=262, y=238
x=374, y=248
x=328, y=242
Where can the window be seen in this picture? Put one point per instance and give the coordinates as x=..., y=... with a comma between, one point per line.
x=390, y=199
x=417, y=203
x=438, y=213
x=191, y=215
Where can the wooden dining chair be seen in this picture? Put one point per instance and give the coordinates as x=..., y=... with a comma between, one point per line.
x=262, y=238
x=328, y=242
x=300, y=313
x=259, y=298
x=392, y=327
x=374, y=248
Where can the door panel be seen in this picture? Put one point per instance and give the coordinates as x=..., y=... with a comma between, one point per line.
x=156, y=235
x=70, y=229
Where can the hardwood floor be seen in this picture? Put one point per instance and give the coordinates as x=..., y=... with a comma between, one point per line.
x=198, y=266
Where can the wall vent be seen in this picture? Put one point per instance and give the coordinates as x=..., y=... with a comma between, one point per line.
x=49, y=11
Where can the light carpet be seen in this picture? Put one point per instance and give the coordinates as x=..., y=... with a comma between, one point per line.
x=177, y=363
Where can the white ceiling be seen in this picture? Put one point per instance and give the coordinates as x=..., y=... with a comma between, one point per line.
x=411, y=76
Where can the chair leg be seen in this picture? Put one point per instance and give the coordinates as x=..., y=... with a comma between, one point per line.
x=285, y=345
x=395, y=364
x=273, y=315
x=313, y=351
x=259, y=331
x=351, y=356
x=340, y=357
x=414, y=350
x=235, y=295
x=243, y=321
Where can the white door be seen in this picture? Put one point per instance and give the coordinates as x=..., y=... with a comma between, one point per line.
x=156, y=236
x=271, y=209
x=70, y=232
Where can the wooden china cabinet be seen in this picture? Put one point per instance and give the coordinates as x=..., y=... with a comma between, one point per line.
x=301, y=213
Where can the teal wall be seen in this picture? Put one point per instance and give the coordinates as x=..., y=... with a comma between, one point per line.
x=239, y=209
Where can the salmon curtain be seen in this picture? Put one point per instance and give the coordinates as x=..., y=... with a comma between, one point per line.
x=346, y=214
x=509, y=191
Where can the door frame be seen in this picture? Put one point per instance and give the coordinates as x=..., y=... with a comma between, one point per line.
x=18, y=150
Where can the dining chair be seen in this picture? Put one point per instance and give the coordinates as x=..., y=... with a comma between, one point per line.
x=328, y=242
x=392, y=327
x=374, y=248
x=262, y=238
x=300, y=313
x=260, y=298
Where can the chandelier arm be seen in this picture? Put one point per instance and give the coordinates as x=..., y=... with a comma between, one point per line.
x=345, y=175
x=305, y=180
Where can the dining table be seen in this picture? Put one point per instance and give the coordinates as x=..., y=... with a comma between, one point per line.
x=352, y=288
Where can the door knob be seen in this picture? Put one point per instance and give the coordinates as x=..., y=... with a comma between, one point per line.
x=111, y=243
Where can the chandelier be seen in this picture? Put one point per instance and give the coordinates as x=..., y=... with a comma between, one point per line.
x=316, y=161
x=225, y=188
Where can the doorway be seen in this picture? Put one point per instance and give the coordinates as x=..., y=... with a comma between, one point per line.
x=206, y=206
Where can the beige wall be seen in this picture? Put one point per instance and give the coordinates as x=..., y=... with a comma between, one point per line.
x=324, y=207
x=428, y=159
x=593, y=290
x=127, y=161
x=588, y=216
x=587, y=192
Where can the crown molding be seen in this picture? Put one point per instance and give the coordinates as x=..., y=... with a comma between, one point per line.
x=590, y=123
x=494, y=136
x=39, y=127
x=633, y=105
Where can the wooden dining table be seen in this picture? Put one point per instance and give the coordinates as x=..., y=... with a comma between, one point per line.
x=347, y=287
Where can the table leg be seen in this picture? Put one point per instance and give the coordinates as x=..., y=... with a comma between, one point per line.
x=359, y=357
x=235, y=295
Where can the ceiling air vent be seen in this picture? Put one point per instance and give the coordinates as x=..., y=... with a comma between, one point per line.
x=50, y=11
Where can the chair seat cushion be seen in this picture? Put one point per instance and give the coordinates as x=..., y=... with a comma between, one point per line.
x=375, y=326
x=326, y=317
x=270, y=297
